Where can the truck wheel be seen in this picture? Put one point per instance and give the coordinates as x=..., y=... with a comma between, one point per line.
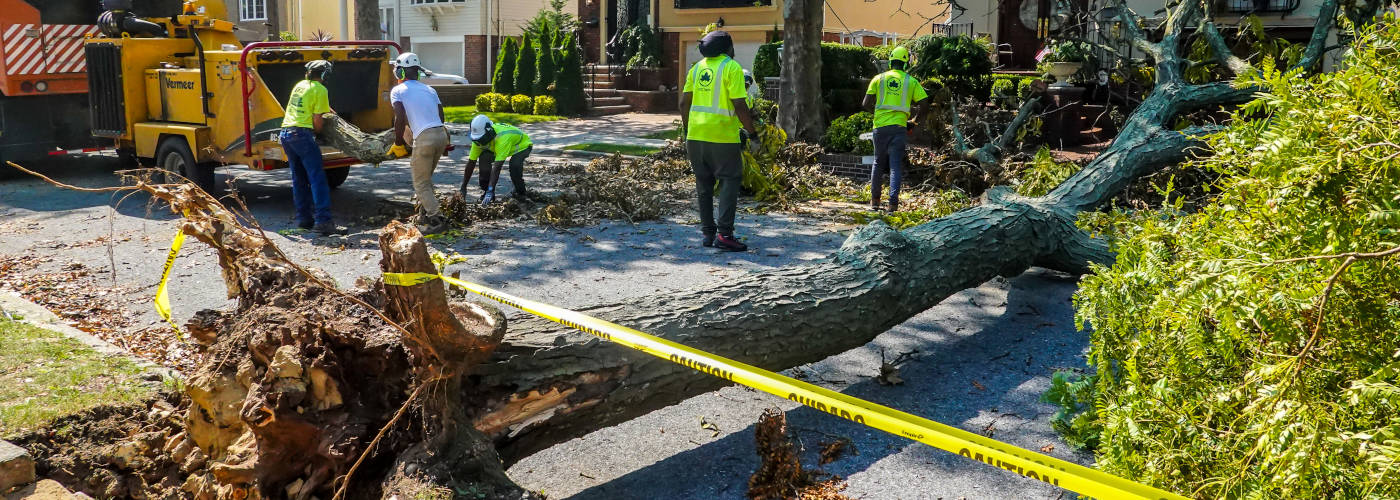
x=174, y=156
x=336, y=176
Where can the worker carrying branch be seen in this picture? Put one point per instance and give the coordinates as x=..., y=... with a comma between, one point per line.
x=418, y=109
x=311, y=192
x=492, y=145
x=890, y=95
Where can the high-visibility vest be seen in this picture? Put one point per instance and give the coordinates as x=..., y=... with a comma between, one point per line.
x=712, y=116
x=894, y=101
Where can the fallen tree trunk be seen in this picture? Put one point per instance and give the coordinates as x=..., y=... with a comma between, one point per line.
x=548, y=384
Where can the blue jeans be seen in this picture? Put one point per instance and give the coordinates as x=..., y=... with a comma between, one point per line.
x=309, y=185
x=890, y=142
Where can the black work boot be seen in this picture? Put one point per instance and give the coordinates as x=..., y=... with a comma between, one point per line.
x=709, y=240
x=329, y=228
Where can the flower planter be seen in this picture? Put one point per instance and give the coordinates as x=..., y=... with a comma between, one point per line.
x=1062, y=71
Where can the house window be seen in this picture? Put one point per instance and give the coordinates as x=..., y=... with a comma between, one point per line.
x=434, y=2
x=386, y=24
x=252, y=10
x=720, y=4
x=1260, y=6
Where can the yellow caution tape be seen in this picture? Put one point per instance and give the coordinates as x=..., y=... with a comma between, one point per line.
x=162, y=295
x=1067, y=475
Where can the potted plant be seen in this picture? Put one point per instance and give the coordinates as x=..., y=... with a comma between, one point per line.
x=1062, y=59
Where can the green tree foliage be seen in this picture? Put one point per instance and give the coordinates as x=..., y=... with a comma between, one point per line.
x=569, y=97
x=1250, y=350
x=963, y=63
x=552, y=19
x=525, y=66
x=844, y=66
x=641, y=47
x=843, y=136
x=503, y=82
x=545, y=61
x=765, y=62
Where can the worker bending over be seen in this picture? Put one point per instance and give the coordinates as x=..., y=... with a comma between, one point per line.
x=492, y=145
x=417, y=108
x=890, y=95
x=717, y=126
x=309, y=100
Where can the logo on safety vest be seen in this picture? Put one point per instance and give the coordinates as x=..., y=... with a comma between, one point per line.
x=707, y=78
x=894, y=83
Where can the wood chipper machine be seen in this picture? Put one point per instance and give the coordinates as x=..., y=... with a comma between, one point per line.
x=198, y=99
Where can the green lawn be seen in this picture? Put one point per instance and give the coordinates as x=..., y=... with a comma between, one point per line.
x=603, y=147
x=45, y=375
x=464, y=114
x=669, y=135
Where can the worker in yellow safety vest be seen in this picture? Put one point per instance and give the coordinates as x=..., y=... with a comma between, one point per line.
x=891, y=95
x=717, y=123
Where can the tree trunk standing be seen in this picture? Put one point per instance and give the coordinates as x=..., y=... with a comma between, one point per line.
x=800, y=109
x=367, y=20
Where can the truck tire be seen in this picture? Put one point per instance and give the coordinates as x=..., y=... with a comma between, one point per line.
x=173, y=155
x=336, y=176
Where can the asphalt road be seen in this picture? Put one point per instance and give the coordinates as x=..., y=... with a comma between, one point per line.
x=980, y=360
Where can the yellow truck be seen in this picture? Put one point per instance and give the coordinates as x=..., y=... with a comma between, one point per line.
x=198, y=99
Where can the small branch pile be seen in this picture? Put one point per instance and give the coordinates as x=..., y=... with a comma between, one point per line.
x=780, y=475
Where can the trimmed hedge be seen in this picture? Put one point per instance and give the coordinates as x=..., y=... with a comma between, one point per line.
x=544, y=105
x=522, y=104
x=963, y=63
x=843, y=66
x=484, y=101
x=570, y=100
x=544, y=69
x=500, y=103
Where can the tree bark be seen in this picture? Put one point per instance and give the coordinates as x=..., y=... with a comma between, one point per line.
x=800, y=112
x=367, y=20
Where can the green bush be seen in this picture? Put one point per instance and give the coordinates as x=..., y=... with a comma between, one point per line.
x=843, y=135
x=544, y=64
x=765, y=111
x=641, y=47
x=544, y=105
x=503, y=82
x=569, y=97
x=765, y=62
x=962, y=62
x=1249, y=349
x=521, y=103
x=1043, y=173
x=484, y=102
x=525, y=66
x=500, y=103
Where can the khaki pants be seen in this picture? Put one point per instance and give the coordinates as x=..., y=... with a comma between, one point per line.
x=427, y=149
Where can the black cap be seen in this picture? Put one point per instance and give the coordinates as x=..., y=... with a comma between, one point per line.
x=716, y=43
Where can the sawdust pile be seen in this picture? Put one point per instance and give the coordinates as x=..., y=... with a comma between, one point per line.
x=780, y=475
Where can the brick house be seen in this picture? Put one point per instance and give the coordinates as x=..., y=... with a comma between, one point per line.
x=265, y=19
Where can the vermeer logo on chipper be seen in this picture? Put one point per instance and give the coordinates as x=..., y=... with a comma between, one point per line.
x=172, y=84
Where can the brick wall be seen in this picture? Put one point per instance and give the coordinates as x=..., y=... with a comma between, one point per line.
x=480, y=56
x=846, y=165
x=591, y=32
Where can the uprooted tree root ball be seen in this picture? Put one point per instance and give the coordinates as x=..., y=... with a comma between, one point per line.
x=303, y=390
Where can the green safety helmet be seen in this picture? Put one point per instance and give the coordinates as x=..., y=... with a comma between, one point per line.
x=900, y=54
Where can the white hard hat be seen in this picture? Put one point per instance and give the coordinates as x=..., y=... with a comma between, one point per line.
x=480, y=124
x=407, y=60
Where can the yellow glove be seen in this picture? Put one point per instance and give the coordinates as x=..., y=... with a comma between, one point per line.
x=398, y=151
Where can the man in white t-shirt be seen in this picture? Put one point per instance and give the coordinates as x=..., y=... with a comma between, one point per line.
x=417, y=108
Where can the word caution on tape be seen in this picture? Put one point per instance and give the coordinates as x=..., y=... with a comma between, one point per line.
x=1067, y=475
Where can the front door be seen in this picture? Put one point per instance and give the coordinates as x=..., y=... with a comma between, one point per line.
x=1016, y=26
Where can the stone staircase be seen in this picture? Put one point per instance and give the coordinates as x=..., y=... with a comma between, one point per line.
x=602, y=92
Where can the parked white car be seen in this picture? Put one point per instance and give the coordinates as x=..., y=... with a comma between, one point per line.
x=431, y=78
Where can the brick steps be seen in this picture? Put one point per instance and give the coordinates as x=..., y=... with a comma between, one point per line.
x=602, y=91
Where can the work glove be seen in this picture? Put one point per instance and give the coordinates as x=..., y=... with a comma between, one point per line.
x=752, y=143
x=398, y=151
